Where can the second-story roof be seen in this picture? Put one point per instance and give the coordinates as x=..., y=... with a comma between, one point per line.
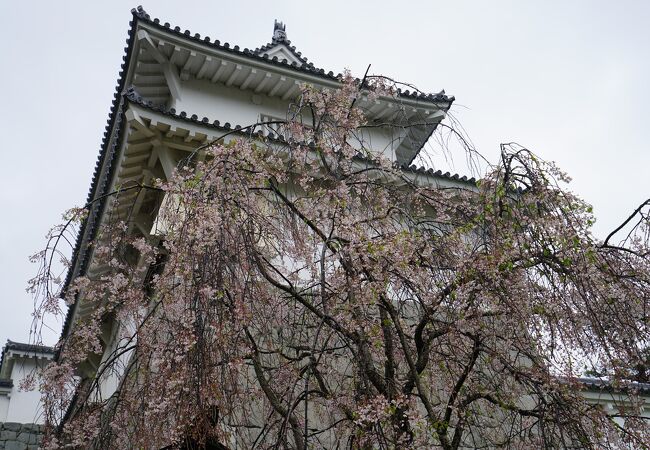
x=266, y=54
x=24, y=350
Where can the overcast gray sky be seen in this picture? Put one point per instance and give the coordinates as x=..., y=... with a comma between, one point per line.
x=570, y=80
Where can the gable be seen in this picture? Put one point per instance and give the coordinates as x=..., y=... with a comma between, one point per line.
x=282, y=52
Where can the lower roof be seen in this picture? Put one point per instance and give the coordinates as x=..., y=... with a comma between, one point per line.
x=31, y=350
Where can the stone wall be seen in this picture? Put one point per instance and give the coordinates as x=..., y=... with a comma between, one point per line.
x=20, y=436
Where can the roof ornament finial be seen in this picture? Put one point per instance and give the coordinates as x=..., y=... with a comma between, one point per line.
x=279, y=31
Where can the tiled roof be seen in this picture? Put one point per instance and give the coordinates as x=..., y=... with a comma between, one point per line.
x=112, y=132
x=605, y=385
x=21, y=347
x=133, y=96
x=97, y=190
x=438, y=173
x=259, y=54
x=112, y=128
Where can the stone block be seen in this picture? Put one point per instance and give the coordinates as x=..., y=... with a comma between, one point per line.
x=12, y=426
x=15, y=445
x=7, y=435
x=27, y=437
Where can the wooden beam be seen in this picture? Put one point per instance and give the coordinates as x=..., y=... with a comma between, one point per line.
x=233, y=75
x=148, y=69
x=176, y=54
x=439, y=114
x=248, y=79
x=374, y=108
x=277, y=86
x=149, y=79
x=137, y=159
x=190, y=59
x=173, y=80
x=166, y=160
x=153, y=157
x=138, y=149
x=138, y=123
x=410, y=112
x=265, y=79
x=146, y=42
x=171, y=132
x=217, y=75
x=125, y=197
x=294, y=87
x=388, y=109
x=180, y=144
x=133, y=142
x=150, y=90
x=204, y=67
x=128, y=171
x=146, y=178
x=127, y=179
x=185, y=71
x=139, y=222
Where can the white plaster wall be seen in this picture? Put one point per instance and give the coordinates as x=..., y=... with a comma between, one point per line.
x=612, y=403
x=231, y=104
x=4, y=406
x=110, y=380
x=226, y=104
x=24, y=406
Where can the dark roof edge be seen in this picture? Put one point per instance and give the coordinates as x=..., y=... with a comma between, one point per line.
x=22, y=347
x=79, y=262
x=606, y=385
x=27, y=348
x=438, y=174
